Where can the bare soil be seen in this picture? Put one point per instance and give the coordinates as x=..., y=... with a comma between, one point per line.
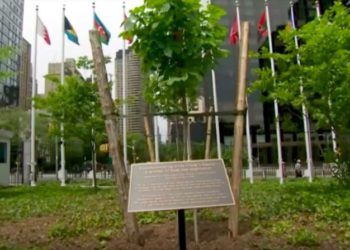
x=33, y=233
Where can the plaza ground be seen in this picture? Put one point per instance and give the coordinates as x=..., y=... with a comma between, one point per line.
x=297, y=215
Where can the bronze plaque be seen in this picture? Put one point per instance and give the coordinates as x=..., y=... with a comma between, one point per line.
x=179, y=185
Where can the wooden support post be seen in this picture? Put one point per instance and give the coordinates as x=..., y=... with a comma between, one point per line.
x=108, y=110
x=149, y=140
x=240, y=106
x=208, y=137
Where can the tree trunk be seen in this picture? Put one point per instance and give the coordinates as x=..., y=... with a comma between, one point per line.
x=237, y=156
x=149, y=140
x=109, y=112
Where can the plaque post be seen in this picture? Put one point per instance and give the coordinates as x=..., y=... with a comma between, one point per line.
x=181, y=227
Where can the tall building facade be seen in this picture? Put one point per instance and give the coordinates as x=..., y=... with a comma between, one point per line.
x=11, y=25
x=136, y=107
x=55, y=69
x=25, y=76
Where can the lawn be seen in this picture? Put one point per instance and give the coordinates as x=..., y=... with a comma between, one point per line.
x=273, y=216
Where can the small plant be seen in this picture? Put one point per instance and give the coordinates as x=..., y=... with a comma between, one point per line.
x=303, y=237
x=281, y=227
x=104, y=235
x=60, y=231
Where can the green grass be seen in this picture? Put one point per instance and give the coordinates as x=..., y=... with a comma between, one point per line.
x=297, y=212
x=303, y=213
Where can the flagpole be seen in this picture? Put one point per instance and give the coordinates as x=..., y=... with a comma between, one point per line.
x=124, y=101
x=32, y=135
x=216, y=110
x=334, y=138
x=247, y=122
x=93, y=142
x=278, y=131
x=305, y=113
x=63, y=163
x=318, y=11
x=93, y=17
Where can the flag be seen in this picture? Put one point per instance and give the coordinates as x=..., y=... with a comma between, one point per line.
x=262, y=29
x=102, y=30
x=70, y=32
x=42, y=31
x=234, y=31
x=129, y=38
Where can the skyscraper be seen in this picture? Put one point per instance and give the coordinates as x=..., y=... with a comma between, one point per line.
x=55, y=69
x=11, y=23
x=136, y=107
x=25, y=76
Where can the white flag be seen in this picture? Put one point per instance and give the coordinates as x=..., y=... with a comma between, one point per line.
x=42, y=31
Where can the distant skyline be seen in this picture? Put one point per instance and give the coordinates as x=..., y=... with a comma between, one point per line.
x=79, y=13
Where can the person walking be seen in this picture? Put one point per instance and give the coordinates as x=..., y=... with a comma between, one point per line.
x=297, y=168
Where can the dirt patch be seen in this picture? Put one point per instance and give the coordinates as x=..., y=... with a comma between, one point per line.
x=33, y=232
x=29, y=232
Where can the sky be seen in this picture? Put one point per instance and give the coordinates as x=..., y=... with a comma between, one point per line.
x=80, y=15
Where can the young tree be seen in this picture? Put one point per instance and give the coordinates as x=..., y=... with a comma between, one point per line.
x=178, y=42
x=324, y=74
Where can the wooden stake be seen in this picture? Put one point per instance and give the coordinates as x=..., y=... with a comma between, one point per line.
x=112, y=132
x=240, y=105
x=149, y=140
x=208, y=137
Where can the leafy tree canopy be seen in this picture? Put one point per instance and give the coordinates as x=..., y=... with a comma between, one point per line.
x=5, y=54
x=75, y=104
x=177, y=41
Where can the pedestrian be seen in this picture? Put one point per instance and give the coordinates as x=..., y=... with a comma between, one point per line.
x=284, y=171
x=297, y=168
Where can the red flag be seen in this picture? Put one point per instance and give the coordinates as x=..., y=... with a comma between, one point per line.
x=130, y=39
x=42, y=31
x=262, y=29
x=234, y=31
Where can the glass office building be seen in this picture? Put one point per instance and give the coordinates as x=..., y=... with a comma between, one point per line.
x=11, y=23
x=262, y=125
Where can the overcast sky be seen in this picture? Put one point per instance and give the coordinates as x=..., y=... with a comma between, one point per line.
x=79, y=13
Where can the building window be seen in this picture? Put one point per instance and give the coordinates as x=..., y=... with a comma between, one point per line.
x=3, y=152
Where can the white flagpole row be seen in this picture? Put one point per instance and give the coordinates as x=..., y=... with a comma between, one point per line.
x=32, y=135
x=305, y=113
x=278, y=132
x=63, y=163
x=247, y=121
x=216, y=109
x=334, y=138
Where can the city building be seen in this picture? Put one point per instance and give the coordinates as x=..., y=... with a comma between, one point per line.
x=55, y=70
x=11, y=23
x=262, y=123
x=25, y=76
x=136, y=107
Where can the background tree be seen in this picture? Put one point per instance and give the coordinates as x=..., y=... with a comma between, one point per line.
x=73, y=104
x=6, y=53
x=324, y=74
